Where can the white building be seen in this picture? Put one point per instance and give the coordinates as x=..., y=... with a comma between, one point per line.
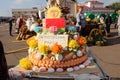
x=24, y=12
x=94, y=3
x=96, y=7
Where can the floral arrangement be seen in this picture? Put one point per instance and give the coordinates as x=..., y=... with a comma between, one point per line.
x=25, y=63
x=56, y=48
x=43, y=49
x=32, y=42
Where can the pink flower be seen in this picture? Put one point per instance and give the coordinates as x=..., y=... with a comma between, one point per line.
x=76, y=37
x=53, y=29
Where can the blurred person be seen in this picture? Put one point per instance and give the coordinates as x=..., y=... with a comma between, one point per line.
x=19, y=23
x=3, y=64
x=0, y=21
x=32, y=18
x=22, y=32
x=108, y=23
x=9, y=74
x=118, y=24
x=80, y=18
x=115, y=24
x=11, y=25
x=102, y=20
x=102, y=26
x=29, y=23
x=37, y=16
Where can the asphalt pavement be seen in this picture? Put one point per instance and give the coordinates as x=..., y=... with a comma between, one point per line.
x=108, y=55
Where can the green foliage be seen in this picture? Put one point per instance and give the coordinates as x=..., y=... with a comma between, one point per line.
x=115, y=6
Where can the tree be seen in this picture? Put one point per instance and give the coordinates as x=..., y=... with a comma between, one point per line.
x=115, y=6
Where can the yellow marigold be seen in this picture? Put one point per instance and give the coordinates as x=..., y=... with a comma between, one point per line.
x=73, y=44
x=82, y=40
x=56, y=48
x=25, y=63
x=43, y=48
x=32, y=42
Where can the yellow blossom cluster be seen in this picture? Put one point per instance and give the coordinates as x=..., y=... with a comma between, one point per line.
x=43, y=48
x=25, y=63
x=73, y=44
x=32, y=42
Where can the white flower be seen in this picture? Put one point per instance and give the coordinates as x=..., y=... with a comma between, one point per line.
x=79, y=53
x=35, y=68
x=81, y=66
x=70, y=69
x=38, y=56
x=59, y=57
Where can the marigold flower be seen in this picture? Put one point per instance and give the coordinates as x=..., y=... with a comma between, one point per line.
x=56, y=48
x=82, y=40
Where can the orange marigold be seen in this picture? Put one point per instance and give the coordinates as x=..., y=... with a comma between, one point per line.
x=82, y=40
x=56, y=48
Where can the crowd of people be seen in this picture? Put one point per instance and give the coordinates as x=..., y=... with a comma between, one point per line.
x=23, y=24
x=3, y=20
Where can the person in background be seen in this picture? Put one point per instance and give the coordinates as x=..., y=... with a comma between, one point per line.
x=37, y=16
x=115, y=24
x=32, y=18
x=9, y=74
x=3, y=64
x=80, y=18
x=102, y=21
x=118, y=24
x=19, y=22
x=102, y=26
x=29, y=23
x=108, y=23
x=22, y=32
x=11, y=25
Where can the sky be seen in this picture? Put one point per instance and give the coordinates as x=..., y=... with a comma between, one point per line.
x=6, y=6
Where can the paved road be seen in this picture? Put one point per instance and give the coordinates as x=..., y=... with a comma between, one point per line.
x=108, y=56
